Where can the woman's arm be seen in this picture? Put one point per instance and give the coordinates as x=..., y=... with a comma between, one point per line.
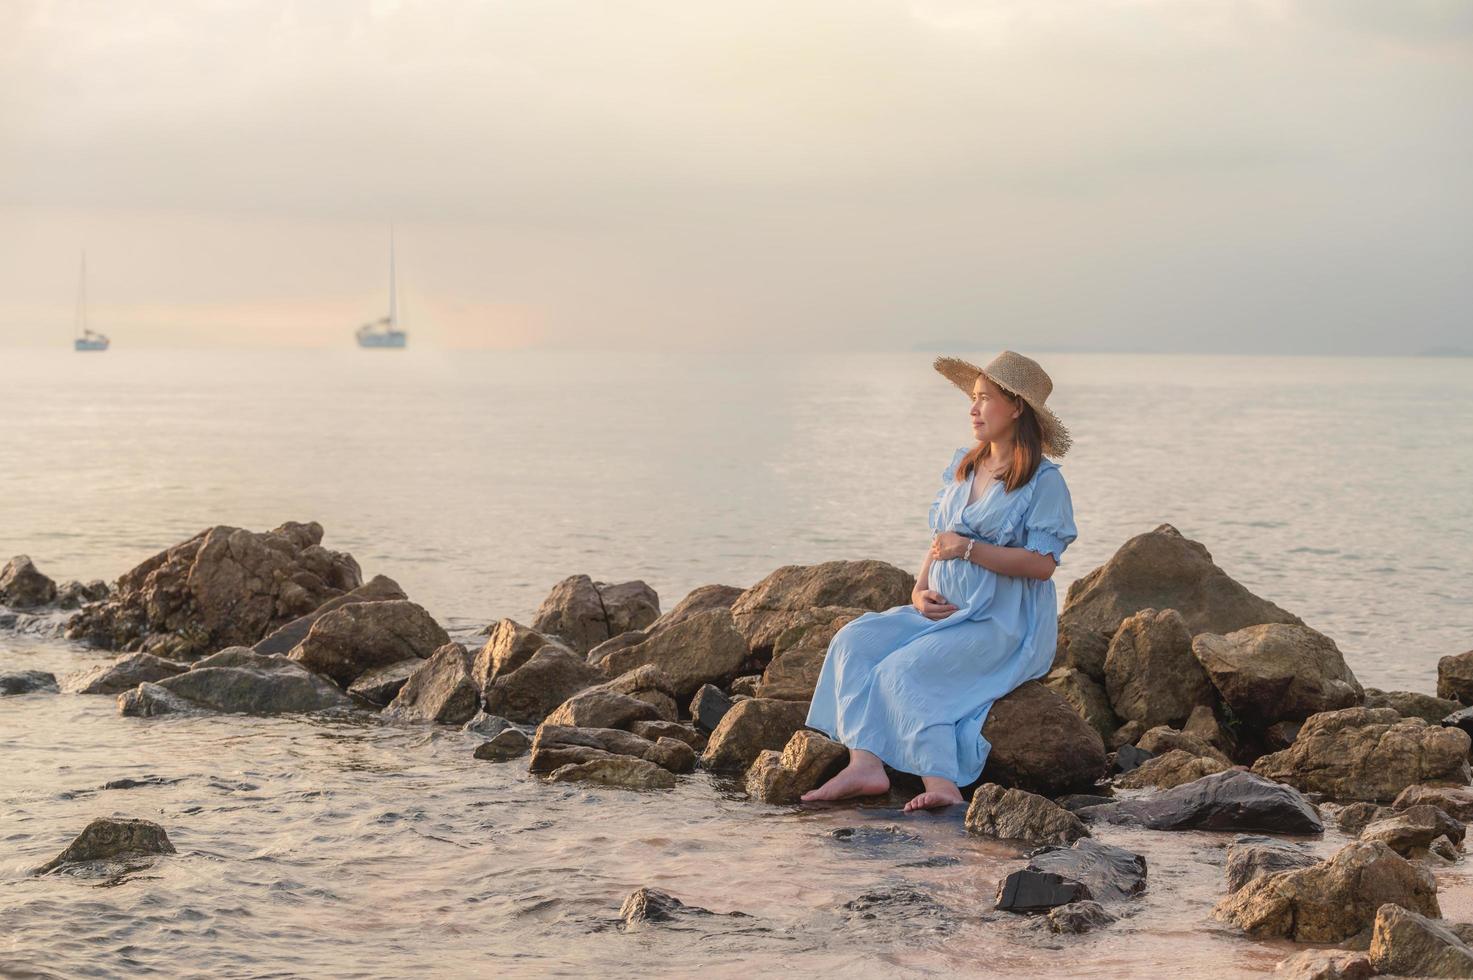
x=1018, y=562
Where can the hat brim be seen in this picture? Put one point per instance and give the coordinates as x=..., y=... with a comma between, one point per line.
x=964, y=374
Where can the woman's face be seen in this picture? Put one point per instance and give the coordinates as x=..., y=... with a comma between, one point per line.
x=993, y=412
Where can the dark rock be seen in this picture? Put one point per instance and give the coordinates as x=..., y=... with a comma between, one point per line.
x=1027, y=890
x=1231, y=800
x=557, y=745
x=1078, y=917
x=1071, y=758
x=708, y=707
x=440, y=691
x=1461, y=720
x=1249, y=857
x=1129, y=757
x=112, y=837
x=283, y=640
x=380, y=685
x=1280, y=735
x=504, y=745
x=1110, y=874
x=275, y=685
x=123, y=674
x=27, y=682
x=359, y=636
x=22, y=586
x=901, y=914
x=1074, y=802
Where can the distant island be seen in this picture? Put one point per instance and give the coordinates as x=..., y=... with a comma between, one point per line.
x=1448, y=351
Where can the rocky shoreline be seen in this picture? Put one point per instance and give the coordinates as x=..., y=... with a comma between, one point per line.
x=1178, y=700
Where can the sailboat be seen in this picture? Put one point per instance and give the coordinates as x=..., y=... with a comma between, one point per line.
x=384, y=332
x=86, y=339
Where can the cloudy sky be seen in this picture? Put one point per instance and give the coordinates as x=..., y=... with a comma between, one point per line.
x=1249, y=176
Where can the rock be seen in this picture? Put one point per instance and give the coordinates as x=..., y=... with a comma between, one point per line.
x=149, y=700
x=74, y=595
x=1355, y=817
x=1203, y=724
x=557, y=745
x=1404, y=943
x=1455, y=677
x=1151, y=675
x=283, y=640
x=1110, y=874
x=1160, y=740
x=697, y=600
x=1087, y=697
x=708, y=707
x=746, y=687
x=794, y=592
x=1332, y=900
x=621, y=771
x=22, y=586
x=380, y=685
x=595, y=708
x=440, y=690
x=1230, y=800
x=1014, y=814
x=534, y=689
x=584, y=613
x=1410, y=704
x=1325, y=964
x=1443, y=848
x=807, y=761
x=1156, y=570
x=1455, y=801
x=1072, y=757
x=223, y=587
x=650, y=905
x=704, y=648
x=360, y=636
x=1175, y=768
x=1413, y=829
x=487, y=725
x=798, y=654
x=274, y=685
x=640, y=681
x=241, y=657
x=1461, y=719
x=123, y=674
x=1127, y=734
x=1026, y=890
x=1250, y=857
x=653, y=730
x=748, y=728
x=1367, y=754
x=1074, y=802
x=27, y=682
x=1078, y=917
x=1129, y=758
x=112, y=837
x=509, y=646
x=507, y=744
x=1277, y=672
x=1280, y=735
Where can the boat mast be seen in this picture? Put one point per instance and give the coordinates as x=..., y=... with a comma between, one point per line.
x=393, y=304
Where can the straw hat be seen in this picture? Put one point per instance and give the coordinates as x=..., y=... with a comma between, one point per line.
x=1017, y=375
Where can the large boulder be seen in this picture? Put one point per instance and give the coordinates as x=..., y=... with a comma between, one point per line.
x=123, y=674
x=1455, y=677
x=1014, y=814
x=1411, y=704
x=223, y=587
x=807, y=761
x=697, y=600
x=360, y=636
x=508, y=645
x=440, y=690
x=798, y=654
x=1406, y=944
x=1367, y=754
x=1332, y=900
x=1250, y=857
x=27, y=682
x=1150, y=673
x=22, y=586
x=583, y=613
x=107, y=838
x=1087, y=696
x=1072, y=757
x=1156, y=570
x=380, y=588
x=1277, y=672
x=794, y=593
x=1230, y=800
x=748, y=728
x=703, y=648
x=533, y=689
x=1410, y=831
x=260, y=686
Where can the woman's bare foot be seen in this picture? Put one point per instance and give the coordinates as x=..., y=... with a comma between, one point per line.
x=939, y=793
x=863, y=776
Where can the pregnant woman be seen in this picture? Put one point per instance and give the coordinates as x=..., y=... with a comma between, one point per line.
x=910, y=687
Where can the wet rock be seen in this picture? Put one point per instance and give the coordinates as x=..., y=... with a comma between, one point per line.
x=748, y=728
x=704, y=648
x=1078, y=917
x=509, y=743
x=1175, y=768
x=273, y=685
x=1332, y=900
x=1406, y=944
x=440, y=690
x=359, y=636
x=1461, y=720
x=487, y=725
x=1074, y=802
x=681, y=732
x=1111, y=874
x=1071, y=758
x=556, y=745
x=1014, y=814
x=123, y=674
x=1413, y=829
x=1325, y=964
x=1156, y=570
x=807, y=761
x=380, y=685
x=596, y=708
x=885, y=843
x=584, y=613
x=620, y=771
x=1230, y=800
x=1026, y=890
x=1354, y=818
x=908, y=911
x=1277, y=672
x=107, y=838
x=1086, y=695
x=240, y=657
x=650, y=905
x=27, y=682
x=798, y=654
x=1250, y=857
x=534, y=689
x=1367, y=754
x=1129, y=758
x=74, y=595
x=22, y=586
x=1455, y=801
x=708, y=707
x=1455, y=677
x=1410, y=704
x=1161, y=740
x=149, y=701
x=1151, y=675
x=793, y=593
x=223, y=587
x=283, y=640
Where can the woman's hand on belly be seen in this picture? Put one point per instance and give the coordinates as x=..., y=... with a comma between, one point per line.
x=948, y=544
x=931, y=604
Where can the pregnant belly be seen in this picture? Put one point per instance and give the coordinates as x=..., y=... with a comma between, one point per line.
x=956, y=579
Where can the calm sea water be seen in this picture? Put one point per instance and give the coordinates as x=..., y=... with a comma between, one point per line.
x=1335, y=487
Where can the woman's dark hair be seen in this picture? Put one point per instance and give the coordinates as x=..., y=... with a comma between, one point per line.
x=1027, y=449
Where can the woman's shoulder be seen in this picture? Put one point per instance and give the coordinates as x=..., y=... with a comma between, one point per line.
x=1049, y=473
x=949, y=474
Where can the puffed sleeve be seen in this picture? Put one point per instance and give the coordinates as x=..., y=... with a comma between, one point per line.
x=947, y=476
x=1049, y=527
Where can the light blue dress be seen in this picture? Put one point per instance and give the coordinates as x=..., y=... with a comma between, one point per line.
x=916, y=691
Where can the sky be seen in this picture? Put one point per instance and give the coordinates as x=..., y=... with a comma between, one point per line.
x=1256, y=176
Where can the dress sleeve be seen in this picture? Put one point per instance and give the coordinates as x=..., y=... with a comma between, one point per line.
x=1049, y=527
x=947, y=476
